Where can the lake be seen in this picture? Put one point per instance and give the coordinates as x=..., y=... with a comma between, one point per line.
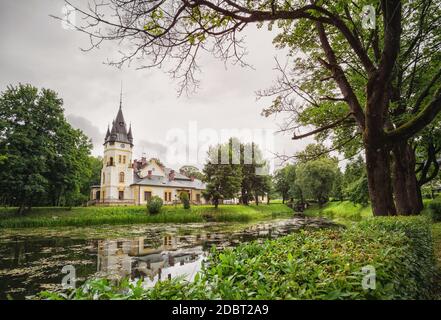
x=32, y=260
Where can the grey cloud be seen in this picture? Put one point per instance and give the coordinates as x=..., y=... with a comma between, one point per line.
x=89, y=129
x=149, y=149
x=37, y=50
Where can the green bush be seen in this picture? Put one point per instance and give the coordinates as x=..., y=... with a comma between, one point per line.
x=435, y=209
x=325, y=264
x=154, y=205
x=185, y=200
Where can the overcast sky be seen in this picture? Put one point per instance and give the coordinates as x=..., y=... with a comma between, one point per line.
x=36, y=49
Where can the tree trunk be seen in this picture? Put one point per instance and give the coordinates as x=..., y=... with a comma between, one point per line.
x=407, y=193
x=216, y=203
x=414, y=190
x=21, y=209
x=257, y=199
x=245, y=199
x=379, y=181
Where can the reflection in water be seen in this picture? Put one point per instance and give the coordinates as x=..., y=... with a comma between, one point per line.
x=29, y=264
x=137, y=258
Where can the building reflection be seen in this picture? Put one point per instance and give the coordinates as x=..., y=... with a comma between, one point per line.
x=158, y=257
x=138, y=257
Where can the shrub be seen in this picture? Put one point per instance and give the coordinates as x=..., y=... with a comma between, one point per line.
x=325, y=264
x=185, y=200
x=435, y=209
x=154, y=205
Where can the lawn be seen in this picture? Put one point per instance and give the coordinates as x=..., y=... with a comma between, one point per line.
x=85, y=216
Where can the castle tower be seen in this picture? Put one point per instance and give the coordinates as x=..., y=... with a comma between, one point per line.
x=117, y=172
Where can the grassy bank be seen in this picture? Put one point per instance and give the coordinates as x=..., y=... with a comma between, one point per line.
x=325, y=264
x=340, y=211
x=86, y=216
x=346, y=211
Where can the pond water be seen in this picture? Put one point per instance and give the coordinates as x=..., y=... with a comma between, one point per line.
x=32, y=260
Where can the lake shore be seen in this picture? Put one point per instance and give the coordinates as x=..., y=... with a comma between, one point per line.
x=87, y=216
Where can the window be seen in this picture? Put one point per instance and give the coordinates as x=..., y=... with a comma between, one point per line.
x=119, y=159
x=121, y=195
x=167, y=196
x=147, y=196
x=198, y=197
x=104, y=178
x=124, y=159
x=121, y=177
x=111, y=161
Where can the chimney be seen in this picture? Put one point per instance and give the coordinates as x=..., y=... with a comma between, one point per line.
x=149, y=174
x=171, y=175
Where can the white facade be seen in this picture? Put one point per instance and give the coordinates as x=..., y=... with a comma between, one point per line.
x=117, y=172
x=125, y=181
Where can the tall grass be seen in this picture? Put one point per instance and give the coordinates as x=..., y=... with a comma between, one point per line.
x=341, y=211
x=87, y=216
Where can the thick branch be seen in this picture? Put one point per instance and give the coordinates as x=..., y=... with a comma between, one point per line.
x=339, y=76
x=417, y=123
x=329, y=126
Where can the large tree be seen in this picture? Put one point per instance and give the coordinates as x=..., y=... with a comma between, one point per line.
x=255, y=178
x=284, y=181
x=316, y=178
x=44, y=158
x=344, y=69
x=223, y=178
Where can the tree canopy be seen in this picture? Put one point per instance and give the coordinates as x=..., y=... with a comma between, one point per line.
x=370, y=88
x=44, y=159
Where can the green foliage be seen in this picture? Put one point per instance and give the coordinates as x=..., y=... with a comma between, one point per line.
x=88, y=216
x=154, y=205
x=358, y=191
x=342, y=212
x=192, y=171
x=47, y=160
x=325, y=264
x=235, y=167
x=255, y=179
x=223, y=177
x=316, y=178
x=355, y=183
x=185, y=200
x=435, y=209
x=284, y=181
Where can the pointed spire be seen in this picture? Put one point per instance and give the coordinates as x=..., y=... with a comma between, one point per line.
x=119, y=128
x=129, y=135
x=120, y=97
x=107, y=134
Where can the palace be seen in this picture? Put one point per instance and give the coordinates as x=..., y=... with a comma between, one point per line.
x=127, y=182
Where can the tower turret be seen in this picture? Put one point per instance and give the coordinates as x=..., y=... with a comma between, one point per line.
x=117, y=172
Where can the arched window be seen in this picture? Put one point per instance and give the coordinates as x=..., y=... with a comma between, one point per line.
x=121, y=177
